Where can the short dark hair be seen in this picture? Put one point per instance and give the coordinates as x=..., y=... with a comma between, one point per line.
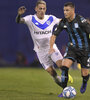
x=69, y=4
x=40, y=2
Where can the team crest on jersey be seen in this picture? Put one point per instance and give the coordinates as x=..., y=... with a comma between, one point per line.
x=48, y=22
x=76, y=25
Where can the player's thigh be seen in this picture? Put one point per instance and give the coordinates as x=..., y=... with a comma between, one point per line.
x=45, y=60
x=69, y=57
x=57, y=57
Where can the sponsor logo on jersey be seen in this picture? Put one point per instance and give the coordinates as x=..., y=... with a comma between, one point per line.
x=42, y=32
x=88, y=62
x=83, y=20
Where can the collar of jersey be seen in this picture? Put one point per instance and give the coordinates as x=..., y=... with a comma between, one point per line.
x=42, y=26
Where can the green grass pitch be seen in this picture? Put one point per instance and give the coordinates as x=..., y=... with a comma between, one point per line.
x=35, y=84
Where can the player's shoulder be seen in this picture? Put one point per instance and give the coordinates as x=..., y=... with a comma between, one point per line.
x=53, y=16
x=28, y=16
x=63, y=20
x=49, y=15
x=80, y=18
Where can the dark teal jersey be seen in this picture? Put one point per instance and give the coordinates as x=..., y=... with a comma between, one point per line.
x=78, y=30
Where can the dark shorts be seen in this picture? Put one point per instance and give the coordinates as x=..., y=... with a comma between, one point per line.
x=81, y=56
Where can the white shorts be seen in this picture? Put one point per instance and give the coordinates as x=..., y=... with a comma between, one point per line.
x=47, y=59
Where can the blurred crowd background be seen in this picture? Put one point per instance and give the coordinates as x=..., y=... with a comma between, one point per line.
x=16, y=46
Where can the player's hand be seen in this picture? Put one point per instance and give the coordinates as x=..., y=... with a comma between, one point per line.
x=21, y=10
x=51, y=50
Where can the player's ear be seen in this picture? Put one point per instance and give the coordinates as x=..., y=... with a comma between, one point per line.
x=46, y=8
x=36, y=9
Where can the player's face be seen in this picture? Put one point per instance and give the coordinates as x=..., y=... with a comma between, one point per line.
x=40, y=11
x=68, y=12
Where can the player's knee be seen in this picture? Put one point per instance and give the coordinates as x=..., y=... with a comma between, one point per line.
x=59, y=63
x=85, y=72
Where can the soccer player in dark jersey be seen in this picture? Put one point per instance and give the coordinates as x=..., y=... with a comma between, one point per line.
x=78, y=47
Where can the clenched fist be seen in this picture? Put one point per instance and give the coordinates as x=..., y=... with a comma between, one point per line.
x=21, y=10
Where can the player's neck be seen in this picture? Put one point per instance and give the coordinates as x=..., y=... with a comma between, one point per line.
x=71, y=18
x=40, y=17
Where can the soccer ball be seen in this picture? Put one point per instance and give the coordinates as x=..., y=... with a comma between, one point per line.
x=69, y=92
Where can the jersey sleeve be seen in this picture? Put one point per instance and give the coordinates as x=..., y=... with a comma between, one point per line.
x=85, y=25
x=59, y=28
x=56, y=20
x=27, y=19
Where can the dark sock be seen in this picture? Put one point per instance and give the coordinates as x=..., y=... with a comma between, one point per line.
x=64, y=76
x=85, y=79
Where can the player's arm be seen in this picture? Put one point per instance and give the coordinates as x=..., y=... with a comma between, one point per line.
x=85, y=25
x=59, y=28
x=53, y=37
x=52, y=41
x=21, y=11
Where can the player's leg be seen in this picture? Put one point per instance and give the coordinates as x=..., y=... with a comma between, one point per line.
x=57, y=58
x=85, y=65
x=59, y=64
x=66, y=64
x=85, y=76
x=47, y=64
x=69, y=58
x=54, y=74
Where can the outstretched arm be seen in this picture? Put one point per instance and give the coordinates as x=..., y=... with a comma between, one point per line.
x=21, y=11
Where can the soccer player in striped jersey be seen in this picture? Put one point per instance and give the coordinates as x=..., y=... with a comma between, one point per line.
x=41, y=27
x=79, y=44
